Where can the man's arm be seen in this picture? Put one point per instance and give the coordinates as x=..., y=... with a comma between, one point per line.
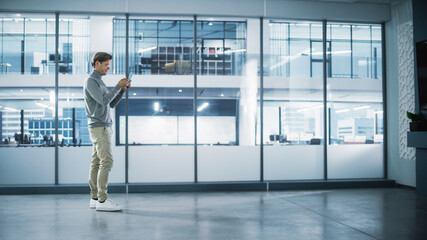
x=117, y=99
x=96, y=93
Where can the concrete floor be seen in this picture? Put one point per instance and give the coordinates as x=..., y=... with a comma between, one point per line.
x=390, y=213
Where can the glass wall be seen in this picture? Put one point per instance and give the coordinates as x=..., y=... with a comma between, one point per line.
x=293, y=101
x=228, y=98
x=161, y=106
x=26, y=43
x=161, y=116
x=76, y=49
x=355, y=108
x=27, y=91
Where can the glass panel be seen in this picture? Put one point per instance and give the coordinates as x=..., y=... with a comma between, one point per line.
x=227, y=104
x=341, y=62
x=355, y=105
x=76, y=34
x=293, y=102
x=156, y=46
x=161, y=119
x=24, y=49
x=169, y=29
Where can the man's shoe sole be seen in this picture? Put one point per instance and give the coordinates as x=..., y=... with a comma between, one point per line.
x=109, y=210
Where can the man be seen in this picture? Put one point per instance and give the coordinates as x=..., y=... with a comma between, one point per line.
x=98, y=101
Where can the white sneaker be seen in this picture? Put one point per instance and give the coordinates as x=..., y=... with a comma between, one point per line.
x=92, y=203
x=109, y=206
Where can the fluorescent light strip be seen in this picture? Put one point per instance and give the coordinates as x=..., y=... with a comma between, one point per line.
x=146, y=49
x=361, y=107
x=321, y=53
x=318, y=106
x=231, y=51
x=52, y=96
x=156, y=106
x=204, y=105
x=11, y=109
x=342, y=110
x=42, y=105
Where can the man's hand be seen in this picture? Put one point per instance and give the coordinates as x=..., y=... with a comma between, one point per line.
x=123, y=83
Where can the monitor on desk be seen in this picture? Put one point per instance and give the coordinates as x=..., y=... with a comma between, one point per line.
x=52, y=57
x=274, y=137
x=65, y=69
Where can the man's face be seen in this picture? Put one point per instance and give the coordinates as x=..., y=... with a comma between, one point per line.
x=102, y=67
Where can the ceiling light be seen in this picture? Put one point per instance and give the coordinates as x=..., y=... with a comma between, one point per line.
x=361, y=107
x=318, y=106
x=141, y=50
x=180, y=90
x=42, y=105
x=203, y=106
x=11, y=109
x=342, y=110
x=134, y=94
x=222, y=95
x=52, y=96
x=156, y=106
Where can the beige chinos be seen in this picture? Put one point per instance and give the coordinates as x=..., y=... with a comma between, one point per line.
x=102, y=162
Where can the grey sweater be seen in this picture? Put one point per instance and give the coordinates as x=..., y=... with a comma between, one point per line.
x=99, y=100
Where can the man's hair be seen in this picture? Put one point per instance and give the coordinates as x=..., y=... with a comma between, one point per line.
x=101, y=57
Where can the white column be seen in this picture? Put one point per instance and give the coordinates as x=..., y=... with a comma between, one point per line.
x=249, y=86
x=101, y=34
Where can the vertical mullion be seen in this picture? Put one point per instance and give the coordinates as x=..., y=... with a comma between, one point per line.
x=288, y=64
x=127, y=104
x=74, y=125
x=23, y=49
x=21, y=140
x=56, y=92
x=261, y=72
x=384, y=85
x=371, y=62
x=195, y=97
x=325, y=118
x=351, y=51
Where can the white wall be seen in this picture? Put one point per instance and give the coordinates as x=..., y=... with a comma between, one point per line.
x=228, y=163
x=161, y=164
x=400, y=170
x=248, y=8
x=30, y=165
x=355, y=161
x=293, y=162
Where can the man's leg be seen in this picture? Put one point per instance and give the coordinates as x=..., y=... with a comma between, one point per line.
x=93, y=173
x=95, y=136
x=105, y=155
